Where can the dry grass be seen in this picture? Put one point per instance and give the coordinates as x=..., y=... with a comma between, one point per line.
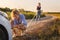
x=52, y=33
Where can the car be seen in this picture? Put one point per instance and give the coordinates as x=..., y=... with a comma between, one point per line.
x=5, y=27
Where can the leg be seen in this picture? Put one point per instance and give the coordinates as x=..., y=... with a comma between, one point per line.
x=37, y=17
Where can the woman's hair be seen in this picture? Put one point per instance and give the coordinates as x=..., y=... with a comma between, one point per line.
x=14, y=12
x=39, y=3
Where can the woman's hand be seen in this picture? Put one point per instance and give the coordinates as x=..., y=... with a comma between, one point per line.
x=21, y=26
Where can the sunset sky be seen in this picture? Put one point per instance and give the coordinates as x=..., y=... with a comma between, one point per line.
x=47, y=5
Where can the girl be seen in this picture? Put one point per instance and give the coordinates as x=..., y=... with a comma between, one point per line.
x=18, y=22
x=38, y=11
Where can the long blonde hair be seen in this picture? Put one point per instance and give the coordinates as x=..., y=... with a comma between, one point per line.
x=13, y=12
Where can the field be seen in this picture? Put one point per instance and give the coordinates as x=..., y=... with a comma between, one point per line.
x=57, y=15
x=55, y=35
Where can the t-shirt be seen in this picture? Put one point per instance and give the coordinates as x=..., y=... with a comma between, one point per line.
x=38, y=8
x=23, y=20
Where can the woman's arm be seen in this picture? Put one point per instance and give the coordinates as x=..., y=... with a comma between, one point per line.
x=12, y=24
x=23, y=19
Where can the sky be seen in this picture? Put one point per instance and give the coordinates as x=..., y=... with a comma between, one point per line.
x=30, y=5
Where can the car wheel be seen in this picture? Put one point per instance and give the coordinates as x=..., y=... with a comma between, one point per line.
x=3, y=33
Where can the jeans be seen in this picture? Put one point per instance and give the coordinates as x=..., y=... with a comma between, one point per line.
x=38, y=15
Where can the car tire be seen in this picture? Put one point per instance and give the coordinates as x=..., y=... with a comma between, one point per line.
x=3, y=33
